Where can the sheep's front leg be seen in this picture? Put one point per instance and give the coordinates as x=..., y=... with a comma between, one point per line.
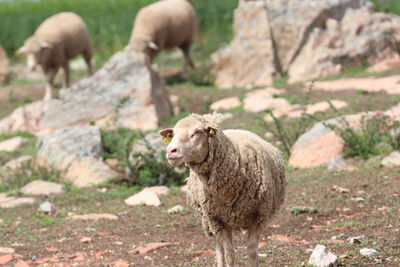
x=50, y=75
x=252, y=246
x=225, y=237
x=219, y=253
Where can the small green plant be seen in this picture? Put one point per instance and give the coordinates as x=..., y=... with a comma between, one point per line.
x=201, y=75
x=373, y=136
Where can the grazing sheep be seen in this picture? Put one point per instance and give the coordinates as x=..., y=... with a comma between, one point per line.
x=164, y=25
x=57, y=40
x=237, y=180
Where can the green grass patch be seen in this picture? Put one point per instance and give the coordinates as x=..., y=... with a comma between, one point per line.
x=109, y=21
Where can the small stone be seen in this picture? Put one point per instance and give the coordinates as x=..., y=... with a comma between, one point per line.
x=10, y=202
x=1, y=221
x=47, y=208
x=4, y=250
x=120, y=263
x=337, y=237
x=42, y=188
x=21, y=264
x=392, y=160
x=309, y=250
x=225, y=104
x=368, y=252
x=102, y=190
x=159, y=190
x=16, y=164
x=357, y=199
x=93, y=217
x=85, y=240
x=268, y=135
x=12, y=144
x=356, y=239
x=303, y=209
x=322, y=257
x=176, y=209
x=337, y=163
x=148, y=198
x=6, y=259
x=341, y=189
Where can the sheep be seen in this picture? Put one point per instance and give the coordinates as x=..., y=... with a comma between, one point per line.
x=164, y=25
x=58, y=39
x=237, y=180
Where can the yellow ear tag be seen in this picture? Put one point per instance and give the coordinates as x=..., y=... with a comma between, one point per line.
x=212, y=132
x=167, y=139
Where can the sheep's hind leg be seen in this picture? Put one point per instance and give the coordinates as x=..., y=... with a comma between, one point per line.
x=225, y=236
x=219, y=253
x=185, y=47
x=87, y=56
x=252, y=246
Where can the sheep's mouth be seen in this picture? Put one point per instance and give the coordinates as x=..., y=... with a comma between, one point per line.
x=175, y=160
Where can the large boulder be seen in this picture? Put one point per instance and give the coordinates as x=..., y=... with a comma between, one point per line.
x=304, y=39
x=4, y=65
x=321, y=143
x=75, y=153
x=125, y=92
x=248, y=61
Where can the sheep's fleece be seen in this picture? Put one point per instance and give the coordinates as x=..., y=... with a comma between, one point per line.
x=240, y=182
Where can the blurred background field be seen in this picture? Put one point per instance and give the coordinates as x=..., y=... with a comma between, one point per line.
x=110, y=22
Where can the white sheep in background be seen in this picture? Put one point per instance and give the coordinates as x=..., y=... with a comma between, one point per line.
x=164, y=25
x=57, y=40
x=237, y=180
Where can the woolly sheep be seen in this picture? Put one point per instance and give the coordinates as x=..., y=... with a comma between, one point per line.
x=237, y=180
x=164, y=25
x=57, y=40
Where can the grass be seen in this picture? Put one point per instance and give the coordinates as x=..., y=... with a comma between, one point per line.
x=109, y=21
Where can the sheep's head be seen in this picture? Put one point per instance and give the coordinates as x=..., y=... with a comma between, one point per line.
x=34, y=50
x=188, y=141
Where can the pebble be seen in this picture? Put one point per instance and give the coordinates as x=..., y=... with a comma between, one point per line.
x=356, y=239
x=176, y=209
x=368, y=252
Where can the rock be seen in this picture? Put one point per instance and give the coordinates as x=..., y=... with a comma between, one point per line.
x=75, y=152
x=357, y=199
x=337, y=163
x=12, y=144
x=386, y=65
x=16, y=164
x=316, y=147
x=303, y=39
x=147, y=198
x=303, y=209
x=1, y=221
x=356, y=239
x=322, y=257
x=21, y=263
x=248, y=61
x=341, y=189
x=347, y=36
x=47, y=208
x=367, y=252
x=392, y=160
x=5, y=259
x=176, y=209
x=10, y=202
x=42, y=188
x=4, y=250
x=4, y=65
x=159, y=190
x=125, y=92
x=225, y=104
x=263, y=99
x=324, y=106
x=320, y=144
x=85, y=240
x=94, y=217
x=389, y=84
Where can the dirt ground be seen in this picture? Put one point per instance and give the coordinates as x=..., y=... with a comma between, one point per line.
x=371, y=207
x=376, y=216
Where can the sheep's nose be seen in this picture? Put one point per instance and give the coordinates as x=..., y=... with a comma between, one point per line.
x=172, y=150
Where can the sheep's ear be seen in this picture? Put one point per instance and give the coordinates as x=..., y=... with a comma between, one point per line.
x=45, y=44
x=166, y=135
x=153, y=46
x=211, y=131
x=21, y=51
